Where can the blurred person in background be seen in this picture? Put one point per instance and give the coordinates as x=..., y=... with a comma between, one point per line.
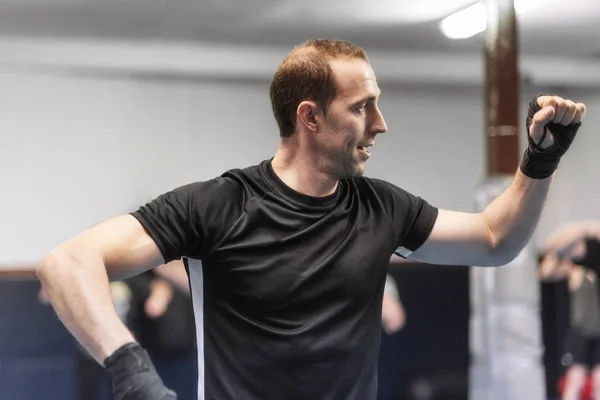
x=393, y=316
x=573, y=252
x=163, y=322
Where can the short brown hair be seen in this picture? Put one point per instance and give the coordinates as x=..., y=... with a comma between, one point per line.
x=305, y=74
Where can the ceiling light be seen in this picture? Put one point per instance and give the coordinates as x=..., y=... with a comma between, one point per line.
x=466, y=22
x=473, y=20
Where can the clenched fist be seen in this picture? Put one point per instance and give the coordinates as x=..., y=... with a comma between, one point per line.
x=556, y=110
x=552, y=123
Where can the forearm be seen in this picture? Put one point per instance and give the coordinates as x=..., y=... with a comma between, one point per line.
x=77, y=286
x=513, y=216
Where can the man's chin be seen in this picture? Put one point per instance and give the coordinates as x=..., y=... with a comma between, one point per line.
x=353, y=169
x=359, y=170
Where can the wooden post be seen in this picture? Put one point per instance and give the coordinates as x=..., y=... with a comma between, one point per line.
x=505, y=332
x=502, y=89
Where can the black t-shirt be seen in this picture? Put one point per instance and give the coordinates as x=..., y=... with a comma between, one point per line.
x=287, y=288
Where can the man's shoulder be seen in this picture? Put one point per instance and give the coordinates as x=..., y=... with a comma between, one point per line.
x=251, y=172
x=231, y=180
x=385, y=192
x=251, y=179
x=232, y=185
x=238, y=184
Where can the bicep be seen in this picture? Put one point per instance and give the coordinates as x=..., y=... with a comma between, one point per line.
x=457, y=238
x=121, y=243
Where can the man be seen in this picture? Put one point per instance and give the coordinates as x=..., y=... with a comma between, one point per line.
x=572, y=252
x=582, y=344
x=578, y=239
x=287, y=259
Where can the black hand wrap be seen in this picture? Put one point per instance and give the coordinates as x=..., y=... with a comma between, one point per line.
x=541, y=163
x=591, y=258
x=134, y=376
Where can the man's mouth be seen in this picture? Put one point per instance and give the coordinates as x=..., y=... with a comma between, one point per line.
x=365, y=148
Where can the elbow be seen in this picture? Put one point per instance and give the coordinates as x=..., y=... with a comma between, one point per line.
x=47, y=272
x=52, y=266
x=45, y=268
x=498, y=253
x=501, y=254
x=63, y=263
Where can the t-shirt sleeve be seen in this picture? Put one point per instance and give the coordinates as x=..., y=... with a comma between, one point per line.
x=411, y=216
x=191, y=220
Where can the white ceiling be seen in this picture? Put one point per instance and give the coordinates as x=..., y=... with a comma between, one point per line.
x=554, y=28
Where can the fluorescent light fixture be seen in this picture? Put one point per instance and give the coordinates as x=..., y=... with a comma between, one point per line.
x=473, y=20
x=466, y=22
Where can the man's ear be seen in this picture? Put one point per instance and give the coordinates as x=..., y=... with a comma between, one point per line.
x=307, y=115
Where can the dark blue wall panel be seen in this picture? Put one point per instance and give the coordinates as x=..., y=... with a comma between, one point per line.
x=36, y=351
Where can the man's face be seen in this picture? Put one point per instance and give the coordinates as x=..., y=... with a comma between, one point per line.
x=353, y=119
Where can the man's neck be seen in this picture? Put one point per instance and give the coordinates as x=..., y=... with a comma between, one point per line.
x=302, y=173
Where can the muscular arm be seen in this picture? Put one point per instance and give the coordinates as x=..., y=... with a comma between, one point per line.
x=493, y=237
x=497, y=235
x=75, y=278
x=181, y=222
